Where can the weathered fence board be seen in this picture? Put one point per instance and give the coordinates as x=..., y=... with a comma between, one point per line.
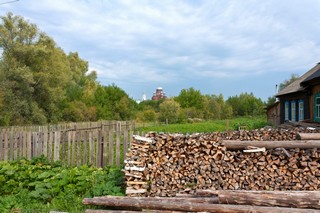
x=98, y=144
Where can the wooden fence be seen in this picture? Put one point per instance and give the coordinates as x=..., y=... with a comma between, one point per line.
x=98, y=144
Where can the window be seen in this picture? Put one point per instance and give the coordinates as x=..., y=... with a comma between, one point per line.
x=317, y=107
x=286, y=111
x=301, y=110
x=293, y=110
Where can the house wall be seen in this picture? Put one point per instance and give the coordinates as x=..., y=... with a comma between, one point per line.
x=295, y=97
x=314, y=91
x=273, y=114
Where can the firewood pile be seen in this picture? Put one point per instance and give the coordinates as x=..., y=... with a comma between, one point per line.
x=165, y=165
x=266, y=170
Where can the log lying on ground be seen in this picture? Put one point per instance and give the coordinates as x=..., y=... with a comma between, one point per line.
x=298, y=199
x=128, y=211
x=185, y=205
x=239, y=145
x=308, y=136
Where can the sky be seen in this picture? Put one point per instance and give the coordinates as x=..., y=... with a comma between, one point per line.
x=218, y=47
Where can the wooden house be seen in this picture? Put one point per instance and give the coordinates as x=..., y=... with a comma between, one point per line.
x=273, y=113
x=300, y=100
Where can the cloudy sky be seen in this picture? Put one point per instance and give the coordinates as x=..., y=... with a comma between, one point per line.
x=214, y=46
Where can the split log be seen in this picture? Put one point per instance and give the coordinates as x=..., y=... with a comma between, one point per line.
x=308, y=136
x=238, y=145
x=297, y=199
x=185, y=205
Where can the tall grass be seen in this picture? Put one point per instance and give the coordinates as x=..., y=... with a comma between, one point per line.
x=209, y=126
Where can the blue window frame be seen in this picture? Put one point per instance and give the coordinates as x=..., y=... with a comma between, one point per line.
x=301, y=110
x=293, y=110
x=286, y=111
x=317, y=107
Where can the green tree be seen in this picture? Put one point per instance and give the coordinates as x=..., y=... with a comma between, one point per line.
x=35, y=72
x=38, y=82
x=113, y=103
x=169, y=111
x=285, y=83
x=246, y=104
x=190, y=98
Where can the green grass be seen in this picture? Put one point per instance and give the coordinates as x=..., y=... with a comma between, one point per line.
x=42, y=186
x=209, y=126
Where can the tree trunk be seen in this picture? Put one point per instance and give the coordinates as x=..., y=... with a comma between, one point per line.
x=184, y=205
x=305, y=144
x=308, y=136
x=297, y=199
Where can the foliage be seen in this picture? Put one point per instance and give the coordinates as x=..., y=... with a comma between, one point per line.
x=113, y=103
x=209, y=126
x=169, y=111
x=40, y=83
x=192, y=101
x=246, y=104
x=41, y=186
x=285, y=83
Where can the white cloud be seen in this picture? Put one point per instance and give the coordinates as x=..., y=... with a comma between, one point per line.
x=159, y=41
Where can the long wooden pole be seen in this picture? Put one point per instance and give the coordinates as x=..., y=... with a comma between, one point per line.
x=297, y=199
x=303, y=144
x=185, y=205
x=308, y=136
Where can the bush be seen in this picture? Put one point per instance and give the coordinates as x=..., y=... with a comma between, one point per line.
x=40, y=186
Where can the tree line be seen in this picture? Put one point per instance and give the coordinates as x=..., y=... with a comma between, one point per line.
x=40, y=83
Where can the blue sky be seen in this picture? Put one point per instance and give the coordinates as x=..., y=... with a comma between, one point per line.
x=214, y=46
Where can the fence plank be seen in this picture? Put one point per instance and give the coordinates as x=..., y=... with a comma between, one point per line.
x=11, y=138
x=78, y=148
x=29, y=145
x=5, y=153
x=24, y=145
x=50, y=139
x=45, y=144
x=73, y=148
x=91, y=148
x=1, y=145
x=111, y=146
x=85, y=148
x=105, y=148
x=118, y=145
x=99, y=151
x=56, y=145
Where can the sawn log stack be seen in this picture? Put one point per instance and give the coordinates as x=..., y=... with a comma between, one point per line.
x=166, y=165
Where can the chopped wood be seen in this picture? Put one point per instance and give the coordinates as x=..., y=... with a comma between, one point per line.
x=176, y=163
x=135, y=191
x=134, y=168
x=255, y=150
x=144, y=139
x=136, y=182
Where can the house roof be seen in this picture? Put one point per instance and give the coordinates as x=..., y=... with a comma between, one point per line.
x=297, y=85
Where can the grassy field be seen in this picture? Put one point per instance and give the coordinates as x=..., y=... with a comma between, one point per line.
x=209, y=126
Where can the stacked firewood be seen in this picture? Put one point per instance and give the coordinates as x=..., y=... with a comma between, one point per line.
x=176, y=163
x=135, y=165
